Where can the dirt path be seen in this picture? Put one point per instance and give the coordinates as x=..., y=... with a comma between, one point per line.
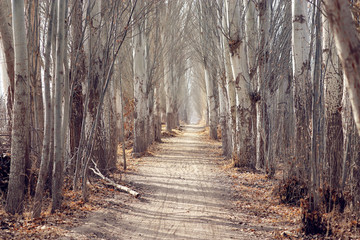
x=185, y=196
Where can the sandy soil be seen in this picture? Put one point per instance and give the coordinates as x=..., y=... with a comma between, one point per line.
x=185, y=195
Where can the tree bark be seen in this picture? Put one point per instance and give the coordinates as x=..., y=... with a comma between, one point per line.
x=78, y=77
x=57, y=179
x=44, y=164
x=20, y=123
x=8, y=45
x=209, y=82
x=347, y=45
x=140, y=81
x=301, y=80
x=239, y=64
x=333, y=105
x=36, y=96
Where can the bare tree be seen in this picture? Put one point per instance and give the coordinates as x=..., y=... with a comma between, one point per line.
x=44, y=165
x=346, y=41
x=20, y=122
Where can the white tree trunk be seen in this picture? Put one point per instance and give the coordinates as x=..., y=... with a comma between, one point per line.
x=252, y=50
x=140, y=81
x=347, y=45
x=333, y=103
x=301, y=82
x=21, y=110
x=239, y=65
x=44, y=165
x=230, y=81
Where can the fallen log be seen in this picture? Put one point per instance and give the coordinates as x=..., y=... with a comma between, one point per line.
x=110, y=182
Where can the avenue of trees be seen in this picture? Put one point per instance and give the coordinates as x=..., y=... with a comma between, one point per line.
x=278, y=79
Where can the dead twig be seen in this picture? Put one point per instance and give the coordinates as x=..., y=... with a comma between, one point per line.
x=110, y=182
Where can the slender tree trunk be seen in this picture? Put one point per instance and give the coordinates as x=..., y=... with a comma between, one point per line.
x=333, y=106
x=20, y=124
x=318, y=111
x=262, y=129
x=37, y=109
x=230, y=88
x=226, y=140
x=157, y=111
x=58, y=141
x=8, y=44
x=347, y=43
x=239, y=64
x=301, y=80
x=209, y=82
x=251, y=46
x=44, y=165
x=78, y=77
x=140, y=82
x=168, y=85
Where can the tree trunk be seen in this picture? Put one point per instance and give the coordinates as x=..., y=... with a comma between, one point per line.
x=20, y=124
x=302, y=84
x=262, y=126
x=230, y=85
x=251, y=46
x=44, y=164
x=226, y=140
x=8, y=45
x=57, y=180
x=347, y=44
x=333, y=106
x=78, y=77
x=140, y=82
x=36, y=98
x=245, y=149
x=209, y=82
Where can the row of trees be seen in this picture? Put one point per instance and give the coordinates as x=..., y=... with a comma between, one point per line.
x=82, y=76
x=282, y=80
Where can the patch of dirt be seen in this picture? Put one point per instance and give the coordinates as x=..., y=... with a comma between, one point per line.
x=186, y=194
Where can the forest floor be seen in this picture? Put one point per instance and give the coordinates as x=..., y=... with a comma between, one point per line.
x=190, y=192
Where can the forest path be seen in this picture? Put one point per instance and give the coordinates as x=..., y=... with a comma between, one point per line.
x=185, y=195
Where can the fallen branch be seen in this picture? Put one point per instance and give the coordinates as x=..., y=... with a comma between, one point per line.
x=110, y=182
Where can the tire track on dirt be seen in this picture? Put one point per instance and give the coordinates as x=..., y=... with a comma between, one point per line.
x=185, y=195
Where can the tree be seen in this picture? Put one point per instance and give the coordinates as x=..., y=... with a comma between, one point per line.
x=58, y=141
x=347, y=45
x=8, y=45
x=20, y=122
x=244, y=138
x=45, y=154
x=140, y=79
x=301, y=81
x=333, y=105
